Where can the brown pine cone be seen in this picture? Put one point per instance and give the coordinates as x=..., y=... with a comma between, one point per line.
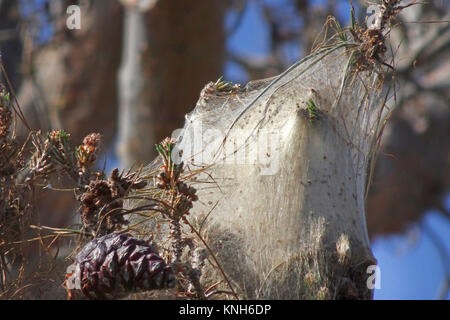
x=115, y=265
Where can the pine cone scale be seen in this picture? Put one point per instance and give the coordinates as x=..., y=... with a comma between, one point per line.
x=117, y=264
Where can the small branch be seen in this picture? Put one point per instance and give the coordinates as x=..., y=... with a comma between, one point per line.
x=213, y=256
x=242, y=8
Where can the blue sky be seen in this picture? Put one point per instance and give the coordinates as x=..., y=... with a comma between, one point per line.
x=45, y=30
x=411, y=266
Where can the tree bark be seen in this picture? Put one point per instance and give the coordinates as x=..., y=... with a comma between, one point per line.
x=170, y=51
x=72, y=79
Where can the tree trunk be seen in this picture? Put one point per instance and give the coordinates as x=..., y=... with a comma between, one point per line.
x=134, y=112
x=72, y=79
x=169, y=52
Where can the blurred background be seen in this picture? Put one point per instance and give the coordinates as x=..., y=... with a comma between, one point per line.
x=134, y=69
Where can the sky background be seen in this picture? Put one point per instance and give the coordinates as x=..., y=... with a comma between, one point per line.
x=411, y=265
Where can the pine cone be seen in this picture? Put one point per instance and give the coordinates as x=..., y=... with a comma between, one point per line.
x=117, y=264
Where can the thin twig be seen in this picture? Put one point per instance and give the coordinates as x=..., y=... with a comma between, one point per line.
x=212, y=255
